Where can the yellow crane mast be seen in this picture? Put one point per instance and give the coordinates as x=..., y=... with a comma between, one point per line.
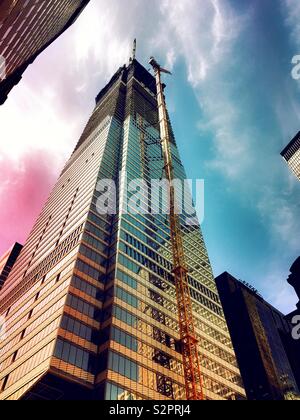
x=189, y=342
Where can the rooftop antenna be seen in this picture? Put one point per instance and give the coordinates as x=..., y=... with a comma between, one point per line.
x=133, y=51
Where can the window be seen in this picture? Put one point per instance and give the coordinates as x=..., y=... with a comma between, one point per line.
x=87, y=288
x=4, y=383
x=127, y=297
x=14, y=358
x=75, y=356
x=123, y=366
x=81, y=306
x=124, y=339
x=77, y=328
x=125, y=278
x=88, y=270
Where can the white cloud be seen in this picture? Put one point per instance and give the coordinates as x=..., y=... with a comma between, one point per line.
x=48, y=103
x=283, y=217
x=275, y=288
x=31, y=123
x=292, y=9
x=204, y=36
x=201, y=32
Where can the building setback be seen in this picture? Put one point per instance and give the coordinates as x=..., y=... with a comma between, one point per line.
x=91, y=305
x=261, y=337
x=291, y=155
x=7, y=262
x=26, y=29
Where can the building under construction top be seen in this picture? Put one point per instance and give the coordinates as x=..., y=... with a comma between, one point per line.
x=91, y=305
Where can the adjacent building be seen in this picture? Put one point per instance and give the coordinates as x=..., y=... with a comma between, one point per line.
x=292, y=155
x=293, y=345
x=294, y=280
x=7, y=262
x=26, y=29
x=90, y=305
x=262, y=339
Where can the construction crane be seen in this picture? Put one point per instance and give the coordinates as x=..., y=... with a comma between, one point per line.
x=188, y=339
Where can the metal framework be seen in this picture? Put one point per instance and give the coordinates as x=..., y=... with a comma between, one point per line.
x=189, y=342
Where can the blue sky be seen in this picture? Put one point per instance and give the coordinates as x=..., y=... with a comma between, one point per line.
x=233, y=105
x=252, y=224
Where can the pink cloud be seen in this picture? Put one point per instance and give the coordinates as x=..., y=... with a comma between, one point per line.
x=23, y=190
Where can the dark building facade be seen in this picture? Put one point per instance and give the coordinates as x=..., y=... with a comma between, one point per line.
x=90, y=306
x=294, y=280
x=26, y=29
x=261, y=336
x=291, y=155
x=293, y=344
x=7, y=262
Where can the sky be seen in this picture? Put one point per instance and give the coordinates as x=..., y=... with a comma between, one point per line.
x=233, y=104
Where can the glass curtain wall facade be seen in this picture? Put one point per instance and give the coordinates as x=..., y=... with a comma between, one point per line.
x=260, y=336
x=27, y=27
x=91, y=306
x=291, y=155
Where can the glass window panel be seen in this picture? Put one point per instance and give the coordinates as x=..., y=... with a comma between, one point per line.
x=66, y=352
x=123, y=369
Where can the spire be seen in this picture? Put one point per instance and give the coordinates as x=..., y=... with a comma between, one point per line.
x=133, y=51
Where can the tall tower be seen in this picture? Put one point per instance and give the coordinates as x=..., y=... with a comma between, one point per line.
x=291, y=155
x=26, y=29
x=90, y=306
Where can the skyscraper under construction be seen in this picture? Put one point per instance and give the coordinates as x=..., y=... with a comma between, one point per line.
x=90, y=307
